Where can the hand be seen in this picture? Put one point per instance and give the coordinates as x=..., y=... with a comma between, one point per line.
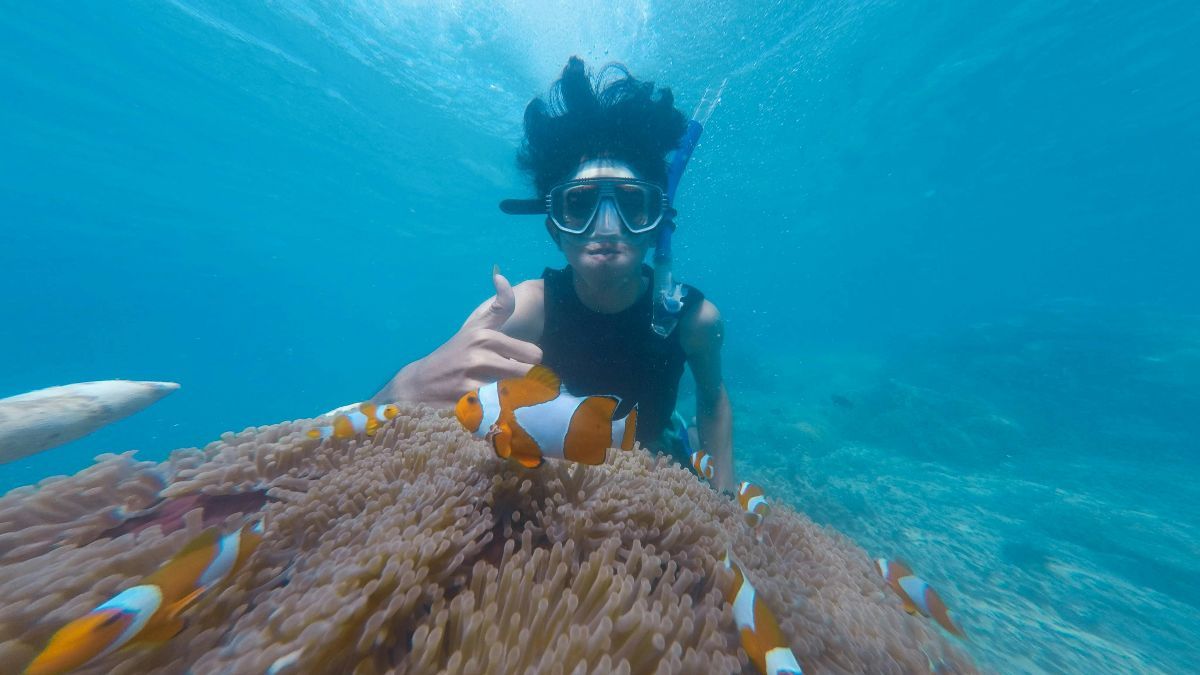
x=477, y=354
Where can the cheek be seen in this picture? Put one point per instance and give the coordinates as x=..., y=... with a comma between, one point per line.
x=641, y=244
x=571, y=244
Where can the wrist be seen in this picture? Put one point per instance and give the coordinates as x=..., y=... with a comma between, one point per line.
x=398, y=388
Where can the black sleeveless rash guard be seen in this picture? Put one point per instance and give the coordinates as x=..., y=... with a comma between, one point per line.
x=617, y=354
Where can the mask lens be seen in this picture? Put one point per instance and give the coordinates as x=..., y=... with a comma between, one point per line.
x=579, y=204
x=639, y=205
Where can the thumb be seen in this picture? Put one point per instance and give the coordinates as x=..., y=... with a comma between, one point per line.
x=502, y=306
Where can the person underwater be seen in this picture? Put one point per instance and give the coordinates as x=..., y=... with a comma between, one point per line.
x=151, y=611
x=532, y=417
x=917, y=595
x=596, y=150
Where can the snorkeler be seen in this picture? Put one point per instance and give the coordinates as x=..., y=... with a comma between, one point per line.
x=597, y=156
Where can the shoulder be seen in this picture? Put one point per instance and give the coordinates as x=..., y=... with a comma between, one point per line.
x=533, y=290
x=703, y=330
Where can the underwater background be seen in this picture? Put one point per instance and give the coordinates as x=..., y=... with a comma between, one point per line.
x=954, y=246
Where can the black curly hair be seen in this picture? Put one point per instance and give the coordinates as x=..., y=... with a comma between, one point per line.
x=588, y=118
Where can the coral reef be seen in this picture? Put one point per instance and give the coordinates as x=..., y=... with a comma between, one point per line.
x=417, y=551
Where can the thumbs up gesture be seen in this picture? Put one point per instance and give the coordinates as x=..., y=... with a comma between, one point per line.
x=492, y=315
x=480, y=352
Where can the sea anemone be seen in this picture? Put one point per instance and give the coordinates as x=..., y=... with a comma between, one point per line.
x=417, y=550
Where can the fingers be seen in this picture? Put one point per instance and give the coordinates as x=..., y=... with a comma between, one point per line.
x=512, y=348
x=492, y=367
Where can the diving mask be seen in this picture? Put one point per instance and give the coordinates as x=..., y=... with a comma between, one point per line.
x=573, y=205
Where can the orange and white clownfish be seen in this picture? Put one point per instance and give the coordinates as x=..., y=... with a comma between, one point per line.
x=366, y=419
x=149, y=612
x=532, y=417
x=761, y=637
x=703, y=463
x=755, y=505
x=916, y=594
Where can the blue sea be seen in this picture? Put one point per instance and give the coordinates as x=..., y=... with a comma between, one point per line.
x=955, y=246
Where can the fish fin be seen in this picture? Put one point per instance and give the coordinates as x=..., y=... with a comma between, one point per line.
x=182, y=569
x=754, y=650
x=732, y=558
x=528, y=461
x=372, y=423
x=522, y=392
x=161, y=632
x=501, y=439
x=314, y=433
x=342, y=427
x=545, y=377
x=941, y=613
x=955, y=629
x=525, y=450
x=630, y=429
x=181, y=605
x=206, y=539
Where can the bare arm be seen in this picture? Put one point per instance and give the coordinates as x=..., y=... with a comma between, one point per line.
x=702, y=335
x=496, y=341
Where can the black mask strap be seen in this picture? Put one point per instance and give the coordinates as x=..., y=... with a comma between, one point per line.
x=523, y=207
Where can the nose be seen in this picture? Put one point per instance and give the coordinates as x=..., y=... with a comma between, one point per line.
x=608, y=221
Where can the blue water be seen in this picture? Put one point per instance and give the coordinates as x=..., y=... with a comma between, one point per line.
x=975, y=222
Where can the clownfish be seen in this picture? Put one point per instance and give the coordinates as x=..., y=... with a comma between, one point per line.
x=532, y=417
x=367, y=419
x=761, y=637
x=916, y=594
x=702, y=462
x=149, y=612
x=755, y=505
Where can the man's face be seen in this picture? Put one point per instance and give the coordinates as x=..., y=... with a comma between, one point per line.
x=606, y=251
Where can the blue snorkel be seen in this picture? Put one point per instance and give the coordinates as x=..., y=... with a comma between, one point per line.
x=668, y=295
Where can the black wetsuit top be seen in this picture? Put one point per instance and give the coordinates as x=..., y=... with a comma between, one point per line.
x=617, y=354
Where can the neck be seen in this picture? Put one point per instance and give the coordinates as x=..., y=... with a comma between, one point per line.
x=610, y=295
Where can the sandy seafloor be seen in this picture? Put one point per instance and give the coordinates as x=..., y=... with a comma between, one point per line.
x=1034, y=471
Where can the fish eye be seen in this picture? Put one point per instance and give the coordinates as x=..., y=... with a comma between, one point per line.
x=472, y=399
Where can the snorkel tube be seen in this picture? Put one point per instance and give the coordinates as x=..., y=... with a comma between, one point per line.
x=668, y=295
